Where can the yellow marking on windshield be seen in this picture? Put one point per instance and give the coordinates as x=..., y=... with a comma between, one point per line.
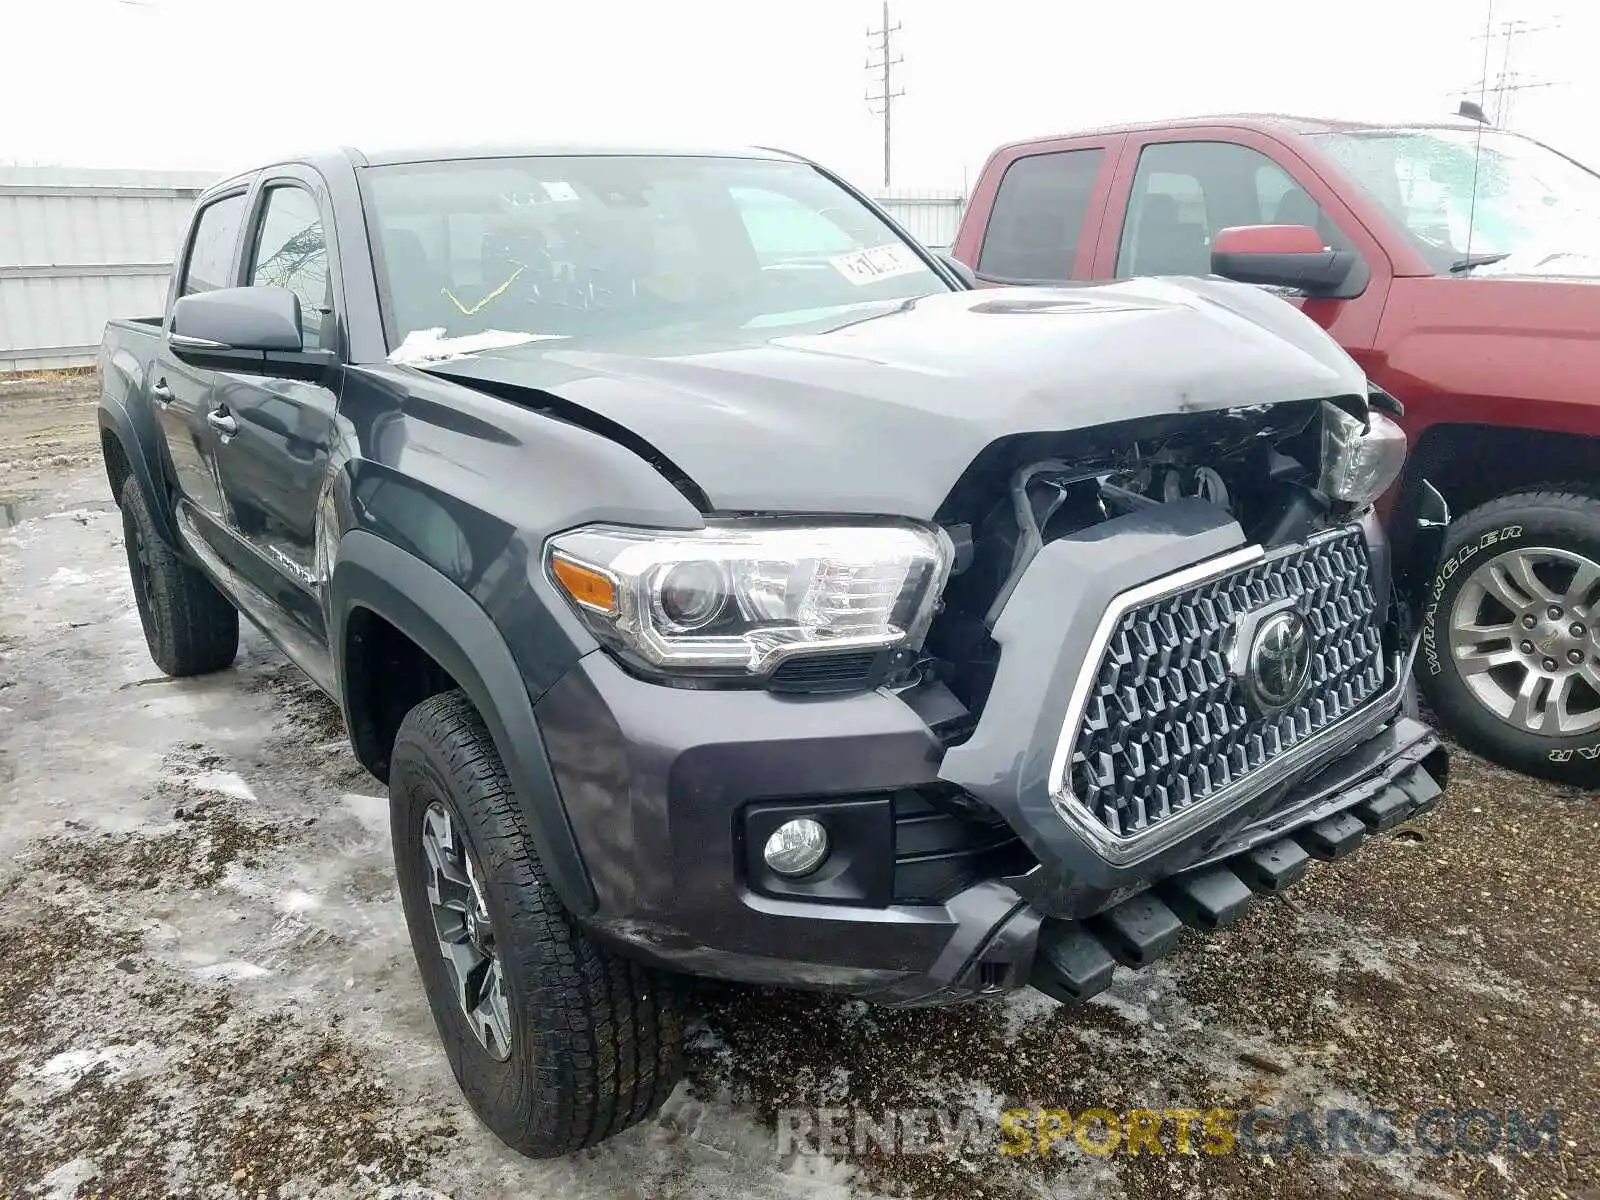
x=481, y=304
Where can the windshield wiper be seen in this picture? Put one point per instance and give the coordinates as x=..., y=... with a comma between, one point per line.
x=1476, y=260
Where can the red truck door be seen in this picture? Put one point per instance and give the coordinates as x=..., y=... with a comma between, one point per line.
x=1174, y=189
x=1044, y=202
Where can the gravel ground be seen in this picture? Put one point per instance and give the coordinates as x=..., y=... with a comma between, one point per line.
x=206, y=988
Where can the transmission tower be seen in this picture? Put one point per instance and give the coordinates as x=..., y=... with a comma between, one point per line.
x=880, y=41
x=1497, y=94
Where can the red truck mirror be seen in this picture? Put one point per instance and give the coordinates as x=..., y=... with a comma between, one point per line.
x=1281, y=256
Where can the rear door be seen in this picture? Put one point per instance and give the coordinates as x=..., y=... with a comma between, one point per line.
x=274, y=450
x=180, y=393
x=1044, y=203
x=1176, y=189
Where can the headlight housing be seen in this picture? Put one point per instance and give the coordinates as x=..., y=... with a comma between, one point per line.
x=1359, y=462
x=739, y=597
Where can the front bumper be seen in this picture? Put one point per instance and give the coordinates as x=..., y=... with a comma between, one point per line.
x=662, y=786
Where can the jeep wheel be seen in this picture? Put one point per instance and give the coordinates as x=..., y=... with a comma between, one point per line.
x=189, y=626
x=556, y=1042
x=1510, y=642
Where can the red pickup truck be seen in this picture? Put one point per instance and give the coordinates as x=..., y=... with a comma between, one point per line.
x=1459, y=266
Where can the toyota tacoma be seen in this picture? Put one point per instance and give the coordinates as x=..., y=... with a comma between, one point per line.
x=722, y=588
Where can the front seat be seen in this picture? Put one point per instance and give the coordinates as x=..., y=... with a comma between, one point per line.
x=1296, y=207
x=1165, y=243
x=414, y=283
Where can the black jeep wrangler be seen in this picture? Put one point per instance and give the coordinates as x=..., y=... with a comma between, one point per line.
x=724, y=587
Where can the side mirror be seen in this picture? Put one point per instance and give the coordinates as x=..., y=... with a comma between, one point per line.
x=961, y=270
x=1281, y=256
x=264, y=319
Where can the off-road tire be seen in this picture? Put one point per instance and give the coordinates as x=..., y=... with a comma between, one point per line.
x=596, y=1038
x=1558, y=520
x=189, y=626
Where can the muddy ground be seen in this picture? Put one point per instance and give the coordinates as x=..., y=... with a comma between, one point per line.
x=206, y=987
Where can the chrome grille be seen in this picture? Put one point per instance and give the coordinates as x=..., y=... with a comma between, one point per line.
x=1166, y=724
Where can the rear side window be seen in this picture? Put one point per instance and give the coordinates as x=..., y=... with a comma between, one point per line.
x=216, y=237
x=292, y=253
x=1038, y=214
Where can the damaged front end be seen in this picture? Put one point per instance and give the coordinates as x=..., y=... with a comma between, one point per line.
x=1276, y=473
x=1176, y=663
x=1156, y=666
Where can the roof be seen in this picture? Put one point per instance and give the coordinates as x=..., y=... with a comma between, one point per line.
x=1279, y=123
x=388, y=156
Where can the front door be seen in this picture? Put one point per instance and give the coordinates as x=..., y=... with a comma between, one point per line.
x=277, y=435
x=181, y=394
x=1176, y=190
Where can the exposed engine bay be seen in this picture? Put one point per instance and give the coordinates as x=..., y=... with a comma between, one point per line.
x=1260, y=465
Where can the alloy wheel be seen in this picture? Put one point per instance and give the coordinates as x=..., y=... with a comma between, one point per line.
x=1524, y=638
x=465, y=934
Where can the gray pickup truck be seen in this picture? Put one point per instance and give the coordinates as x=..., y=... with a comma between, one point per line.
x=722, y=587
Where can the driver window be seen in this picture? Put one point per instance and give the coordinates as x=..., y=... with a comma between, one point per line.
x=292, y=253
x=1184, y=193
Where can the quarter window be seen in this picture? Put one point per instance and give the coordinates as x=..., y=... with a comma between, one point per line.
x=1038, y=215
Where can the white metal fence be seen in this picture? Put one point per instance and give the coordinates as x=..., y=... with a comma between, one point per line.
x=932, y=217
x=78, y=247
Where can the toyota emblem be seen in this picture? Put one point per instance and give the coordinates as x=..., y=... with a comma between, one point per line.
x=1279, y=662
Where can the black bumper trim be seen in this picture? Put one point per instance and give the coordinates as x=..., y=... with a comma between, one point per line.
x=1071, y=964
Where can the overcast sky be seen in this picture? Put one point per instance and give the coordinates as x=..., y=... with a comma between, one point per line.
x=224, y=83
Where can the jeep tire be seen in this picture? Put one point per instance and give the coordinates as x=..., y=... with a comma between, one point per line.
x=1510, y=655
x=594, y=1038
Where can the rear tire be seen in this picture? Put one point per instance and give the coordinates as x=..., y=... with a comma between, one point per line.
x=594, y=1037
x=189, y=626
x=1510, y=658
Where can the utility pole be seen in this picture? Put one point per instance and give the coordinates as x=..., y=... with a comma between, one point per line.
x=880, y=40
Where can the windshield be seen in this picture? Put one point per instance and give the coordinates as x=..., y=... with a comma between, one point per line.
x=1538, y=209
x=499, y=250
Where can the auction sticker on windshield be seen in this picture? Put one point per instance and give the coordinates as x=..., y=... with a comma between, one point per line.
x=877, y=262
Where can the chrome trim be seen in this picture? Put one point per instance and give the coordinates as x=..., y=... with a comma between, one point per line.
x=1122, y=850
x=185, y=341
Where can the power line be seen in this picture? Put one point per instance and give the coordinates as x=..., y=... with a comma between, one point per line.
x=880, y=40
x=1498, y=97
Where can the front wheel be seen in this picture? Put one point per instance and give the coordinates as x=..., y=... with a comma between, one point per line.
x=1510, y=655
x=557, y=1042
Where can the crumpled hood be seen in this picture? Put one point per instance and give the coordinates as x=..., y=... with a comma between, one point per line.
x=881, y=413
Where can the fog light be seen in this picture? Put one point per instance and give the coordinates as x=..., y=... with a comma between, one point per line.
x=796, y=847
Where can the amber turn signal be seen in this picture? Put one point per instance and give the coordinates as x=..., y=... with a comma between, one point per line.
x=589, y=587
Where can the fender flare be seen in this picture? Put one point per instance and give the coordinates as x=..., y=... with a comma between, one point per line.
x=449, y=625
x=115, y=419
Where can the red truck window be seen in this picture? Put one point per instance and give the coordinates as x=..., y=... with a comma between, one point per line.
x=1038, y=216
x=1185, y=192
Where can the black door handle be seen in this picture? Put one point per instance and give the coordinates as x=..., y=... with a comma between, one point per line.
x=160, y=392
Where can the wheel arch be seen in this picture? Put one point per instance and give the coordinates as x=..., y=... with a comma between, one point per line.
x=375, y=576
x=124, y=456
x=1471, y=464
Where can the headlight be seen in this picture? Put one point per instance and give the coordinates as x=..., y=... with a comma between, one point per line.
x=1359, y=462
x=739, y=597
